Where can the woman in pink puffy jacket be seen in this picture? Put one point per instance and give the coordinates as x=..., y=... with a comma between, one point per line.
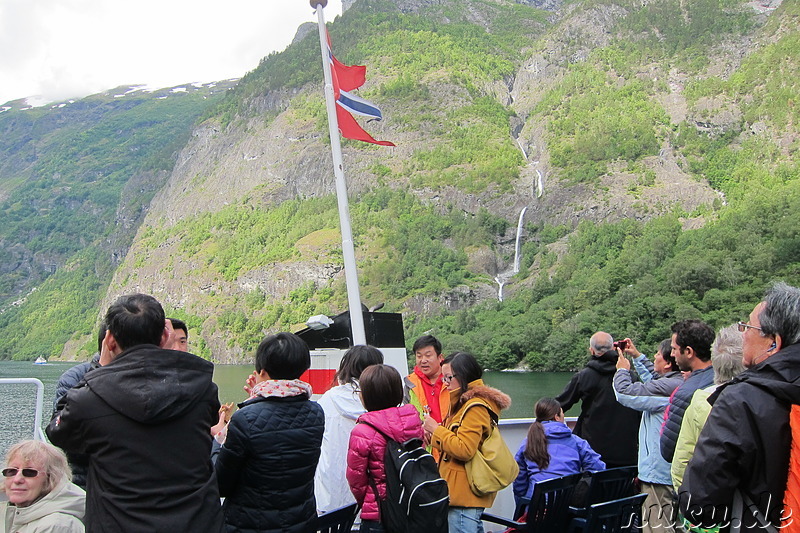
x=381, y=393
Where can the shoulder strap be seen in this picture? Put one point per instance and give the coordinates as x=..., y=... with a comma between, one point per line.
x=482, y=403
x=740, y=500
x=372, y=482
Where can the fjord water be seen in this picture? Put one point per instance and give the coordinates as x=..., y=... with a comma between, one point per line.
x=17, y=402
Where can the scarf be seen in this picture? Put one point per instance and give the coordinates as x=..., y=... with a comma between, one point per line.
x=271, y=388
x=281, y=388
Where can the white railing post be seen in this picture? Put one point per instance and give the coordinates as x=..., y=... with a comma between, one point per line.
x=38, y=434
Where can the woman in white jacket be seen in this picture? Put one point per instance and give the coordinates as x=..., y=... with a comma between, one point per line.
x=342, y=407
x=41, y=497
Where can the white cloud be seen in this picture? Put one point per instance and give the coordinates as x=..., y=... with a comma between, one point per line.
x=59, y=49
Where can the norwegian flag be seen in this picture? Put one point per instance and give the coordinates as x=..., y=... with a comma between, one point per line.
x=347, y=78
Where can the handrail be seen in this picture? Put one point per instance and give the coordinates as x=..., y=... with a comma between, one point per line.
x=38, y=434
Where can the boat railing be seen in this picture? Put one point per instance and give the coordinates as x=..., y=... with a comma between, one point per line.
x=38, y=434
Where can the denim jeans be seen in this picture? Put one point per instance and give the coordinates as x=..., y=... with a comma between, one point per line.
x=465, y=520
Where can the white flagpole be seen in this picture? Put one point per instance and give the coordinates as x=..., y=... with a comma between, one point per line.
x=348, y=251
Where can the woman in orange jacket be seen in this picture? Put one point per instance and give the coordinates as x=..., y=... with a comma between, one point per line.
x=473, y=405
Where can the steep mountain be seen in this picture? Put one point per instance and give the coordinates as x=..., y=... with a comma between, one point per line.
x=75, y=181
x=653, y=145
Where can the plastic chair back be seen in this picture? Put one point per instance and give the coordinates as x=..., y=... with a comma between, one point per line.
x=549, y=506
x=611, y=484
x=337, y=521
x=616, y=516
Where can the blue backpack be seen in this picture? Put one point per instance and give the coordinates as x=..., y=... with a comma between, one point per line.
x=417, y=498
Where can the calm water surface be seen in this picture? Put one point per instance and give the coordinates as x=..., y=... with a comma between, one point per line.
x=17, y=402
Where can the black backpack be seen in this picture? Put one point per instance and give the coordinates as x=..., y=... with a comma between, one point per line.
x=417, y=499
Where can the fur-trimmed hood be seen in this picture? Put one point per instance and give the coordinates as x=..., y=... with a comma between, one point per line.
x=476, y=389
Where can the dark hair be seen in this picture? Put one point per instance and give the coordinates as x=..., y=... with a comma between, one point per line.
x=355, y=360
x=665, y=347
x=179, y=324
x=101, y=335
x=694, y=333
x=781, y=314
x=449, y=359
x=283, y=356
x=466, y=368
x=545, y=410
x=135, y=319
x=381, y=387
x=425, y=341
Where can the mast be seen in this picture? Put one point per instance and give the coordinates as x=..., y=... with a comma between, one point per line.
x=348, y=251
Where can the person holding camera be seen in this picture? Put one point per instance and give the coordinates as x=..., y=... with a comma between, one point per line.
x=650, y=394
x=610, y=428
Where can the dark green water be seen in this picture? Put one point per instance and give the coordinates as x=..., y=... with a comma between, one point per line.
x=524, y=388
x=18, y=401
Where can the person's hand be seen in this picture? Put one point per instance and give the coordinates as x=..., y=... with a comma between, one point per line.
x=249, y=383
x=226, y=409
x=168, y=337
x=630, y=349
x=105, y=353
x=429, y=424
x=622, y=361
x=217, y=428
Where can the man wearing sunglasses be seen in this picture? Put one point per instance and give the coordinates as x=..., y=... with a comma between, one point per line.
x=144, y=420
x=740, y=467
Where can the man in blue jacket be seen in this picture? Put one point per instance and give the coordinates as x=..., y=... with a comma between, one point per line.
x=651, y=396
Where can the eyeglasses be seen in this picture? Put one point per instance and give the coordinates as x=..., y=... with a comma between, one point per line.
x=447, y=379
x=26, y=472
x=743, y=327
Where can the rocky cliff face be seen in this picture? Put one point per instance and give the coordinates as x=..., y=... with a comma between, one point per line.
x=278, y=153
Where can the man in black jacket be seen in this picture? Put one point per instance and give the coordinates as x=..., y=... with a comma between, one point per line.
x=741, y=461
x=144, y=419
x=611, y=429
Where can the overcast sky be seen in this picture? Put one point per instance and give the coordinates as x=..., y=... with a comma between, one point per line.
x=60, y=49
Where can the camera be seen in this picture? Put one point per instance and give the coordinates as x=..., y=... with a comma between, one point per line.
x=621, y=345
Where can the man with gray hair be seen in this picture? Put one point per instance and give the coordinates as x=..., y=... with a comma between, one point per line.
x=610, y=428
x=739, y=470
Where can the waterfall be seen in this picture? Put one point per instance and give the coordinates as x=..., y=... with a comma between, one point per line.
x=540, y=188
x=517, y=244
x=500, y=284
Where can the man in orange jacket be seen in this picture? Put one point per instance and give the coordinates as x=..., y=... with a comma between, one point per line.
x=424, y=387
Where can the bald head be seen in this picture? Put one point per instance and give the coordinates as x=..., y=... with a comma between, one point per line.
x=600, y=343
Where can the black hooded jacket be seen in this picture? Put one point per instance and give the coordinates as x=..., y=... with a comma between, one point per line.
x=611, y=429
x=144, y=421
x=745, y=444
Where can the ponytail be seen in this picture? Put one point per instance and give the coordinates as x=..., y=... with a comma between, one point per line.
x=545, y=410
x=536, y=447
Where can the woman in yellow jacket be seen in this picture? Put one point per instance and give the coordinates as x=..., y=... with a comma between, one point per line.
x=472, y=406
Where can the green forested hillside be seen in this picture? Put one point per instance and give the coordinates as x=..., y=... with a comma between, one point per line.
x=75, y=181
x=634, y=111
